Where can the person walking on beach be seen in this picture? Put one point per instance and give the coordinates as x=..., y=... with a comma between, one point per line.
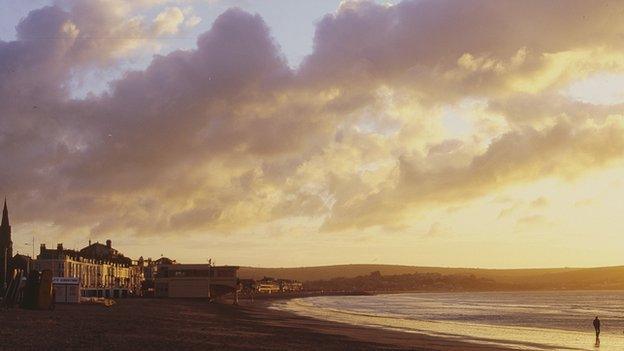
x=597, y=326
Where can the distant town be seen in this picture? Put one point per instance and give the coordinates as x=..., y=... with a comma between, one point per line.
x=99, y=271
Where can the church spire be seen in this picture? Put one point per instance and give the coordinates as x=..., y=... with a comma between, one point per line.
x=5, y=233
x=5, y=215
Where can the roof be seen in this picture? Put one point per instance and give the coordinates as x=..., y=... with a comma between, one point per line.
x=164, y=260
x=103, y=252
x=5, y=215
x=99, y=250
x=95, y=251
x=19, y=257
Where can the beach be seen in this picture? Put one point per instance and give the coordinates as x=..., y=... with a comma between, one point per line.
x=188, y=324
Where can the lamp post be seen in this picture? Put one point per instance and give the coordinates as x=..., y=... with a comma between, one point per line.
x=33, y=246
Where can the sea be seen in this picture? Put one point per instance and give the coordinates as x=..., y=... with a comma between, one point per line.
x=553, y=320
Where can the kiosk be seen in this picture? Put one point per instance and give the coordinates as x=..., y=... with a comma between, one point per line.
x=66, y=290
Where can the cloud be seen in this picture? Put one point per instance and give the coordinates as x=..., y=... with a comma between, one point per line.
x=506, y=212
x=564, y=151
x=168, y=21
x=97, y=149
x=584, y=203
x=192, y=21
x=533, y=222
x=540, y=202
x=481, y=48
x=226, y=136
x=437, y=229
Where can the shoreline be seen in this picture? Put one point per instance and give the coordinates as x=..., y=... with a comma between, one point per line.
x=304, y=294
x=301, y=294
x=368, y=335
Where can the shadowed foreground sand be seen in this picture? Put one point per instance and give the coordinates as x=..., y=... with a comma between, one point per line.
x=150, y=324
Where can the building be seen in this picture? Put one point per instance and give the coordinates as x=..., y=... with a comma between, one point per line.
x=149, y=268
x=6, y=248
x=195, y=280
x=289, y=285
x=99, y=270
x=267, y=285
x=8, y=262
x=102, y=270
x=66, y=290
x=23, y=263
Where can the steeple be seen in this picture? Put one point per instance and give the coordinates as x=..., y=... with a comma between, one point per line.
x=5, y=232
x=5, y=216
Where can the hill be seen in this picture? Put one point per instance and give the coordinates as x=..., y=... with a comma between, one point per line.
x=540, y=278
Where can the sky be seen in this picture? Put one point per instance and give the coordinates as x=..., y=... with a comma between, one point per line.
x=297, y=133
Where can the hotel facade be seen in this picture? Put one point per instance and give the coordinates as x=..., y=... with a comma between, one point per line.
x=101, y=270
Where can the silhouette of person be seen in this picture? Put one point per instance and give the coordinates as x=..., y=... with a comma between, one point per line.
x=597, y=327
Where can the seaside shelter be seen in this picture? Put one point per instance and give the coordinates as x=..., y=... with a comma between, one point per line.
x=66, y=289
x=196, y=281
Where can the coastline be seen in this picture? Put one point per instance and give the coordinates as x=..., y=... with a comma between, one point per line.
x=197, y=324
x=302, y=294
x=370, y=337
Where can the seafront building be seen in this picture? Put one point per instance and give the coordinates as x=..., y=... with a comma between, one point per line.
x=195, y=280
x=99, y=270
x=149, y=268
x=289, y=285
x=102, y=270
x=268, y=285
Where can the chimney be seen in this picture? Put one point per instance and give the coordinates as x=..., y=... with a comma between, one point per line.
x=109, y=243
x=89, y=242
x=59, y=247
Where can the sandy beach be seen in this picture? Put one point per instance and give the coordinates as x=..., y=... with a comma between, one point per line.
x=167, y=324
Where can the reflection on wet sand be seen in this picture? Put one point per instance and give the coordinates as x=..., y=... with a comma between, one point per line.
x=597, y=344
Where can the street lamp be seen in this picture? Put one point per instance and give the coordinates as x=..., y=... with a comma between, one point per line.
x=33, y=247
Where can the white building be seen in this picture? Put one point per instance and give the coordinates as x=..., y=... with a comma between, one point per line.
x=102, y=271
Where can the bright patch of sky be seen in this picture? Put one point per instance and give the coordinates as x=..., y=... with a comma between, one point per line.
x=457, y=119
x=600, y=89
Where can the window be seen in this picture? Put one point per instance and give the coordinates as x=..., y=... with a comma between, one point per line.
x=226, y=273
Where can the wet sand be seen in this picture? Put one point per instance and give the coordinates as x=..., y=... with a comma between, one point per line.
x=170, y=324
